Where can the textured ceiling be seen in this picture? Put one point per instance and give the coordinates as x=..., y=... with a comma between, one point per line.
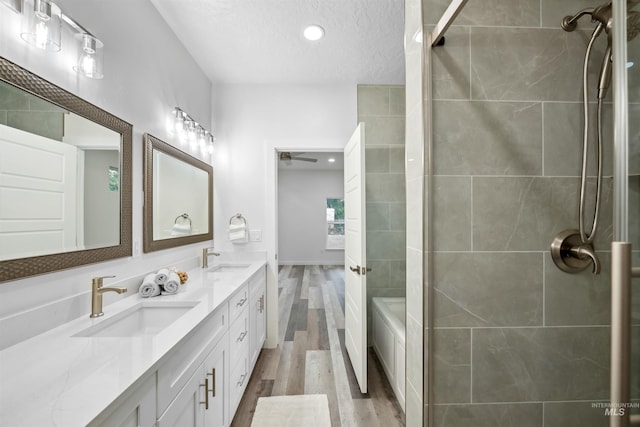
x=260, y=41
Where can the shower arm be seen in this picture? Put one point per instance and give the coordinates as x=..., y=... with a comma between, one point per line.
x=570, y=22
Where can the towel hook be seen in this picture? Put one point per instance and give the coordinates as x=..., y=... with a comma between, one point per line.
x=238, y=217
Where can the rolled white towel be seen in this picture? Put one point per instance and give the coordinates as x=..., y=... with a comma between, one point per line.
x=161, y=276
x=172, y=284
x=149, y=288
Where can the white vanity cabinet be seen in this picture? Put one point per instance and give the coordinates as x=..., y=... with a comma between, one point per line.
x=201, y=402
x=257, y=315
x=200, y=381
x=138, y=408
x=238, y=346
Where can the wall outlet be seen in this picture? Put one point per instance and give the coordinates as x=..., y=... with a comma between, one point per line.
x=255, y=235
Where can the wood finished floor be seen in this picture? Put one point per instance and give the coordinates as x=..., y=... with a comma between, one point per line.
x=311, y=357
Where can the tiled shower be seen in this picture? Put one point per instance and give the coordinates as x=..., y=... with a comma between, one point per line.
x=516, y=341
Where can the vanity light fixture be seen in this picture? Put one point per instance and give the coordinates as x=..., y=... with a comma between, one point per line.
x=331, y=160
x=41, y=27
x=187, y=129
x=313, y=32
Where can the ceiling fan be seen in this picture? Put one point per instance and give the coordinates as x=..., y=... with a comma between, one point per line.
x=286, y=156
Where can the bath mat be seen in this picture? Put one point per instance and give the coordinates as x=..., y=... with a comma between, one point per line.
x=308, y=410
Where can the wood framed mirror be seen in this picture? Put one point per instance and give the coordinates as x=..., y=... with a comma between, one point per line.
x=178, y=197
x=65, y=178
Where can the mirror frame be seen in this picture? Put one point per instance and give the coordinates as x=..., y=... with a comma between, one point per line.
x=149, y=244
x=31, y=266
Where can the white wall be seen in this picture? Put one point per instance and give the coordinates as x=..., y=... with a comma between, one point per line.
x=147, y=73
x=302, y=225
x=251, y=122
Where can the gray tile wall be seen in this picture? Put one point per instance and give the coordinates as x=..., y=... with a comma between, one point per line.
x=517, y=342
x=382, y=110
x=29, y=113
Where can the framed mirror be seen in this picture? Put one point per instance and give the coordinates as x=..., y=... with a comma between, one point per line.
x=178, y=197
x=65, y=178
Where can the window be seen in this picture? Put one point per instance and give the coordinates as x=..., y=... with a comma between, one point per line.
x=335, y=223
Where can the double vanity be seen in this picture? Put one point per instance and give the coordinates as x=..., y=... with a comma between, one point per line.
x=171, y=360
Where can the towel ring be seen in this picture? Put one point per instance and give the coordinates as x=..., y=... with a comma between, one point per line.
x=183, y=216
x=239, y=217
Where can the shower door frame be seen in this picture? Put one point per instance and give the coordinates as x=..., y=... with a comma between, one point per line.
x=622, y=271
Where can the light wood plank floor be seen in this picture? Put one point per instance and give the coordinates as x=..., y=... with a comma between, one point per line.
x=311, y=357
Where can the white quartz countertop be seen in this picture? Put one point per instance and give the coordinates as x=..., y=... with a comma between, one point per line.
x=56, y=379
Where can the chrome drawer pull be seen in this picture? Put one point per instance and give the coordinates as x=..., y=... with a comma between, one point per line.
x=241, y=302
x=241, y=337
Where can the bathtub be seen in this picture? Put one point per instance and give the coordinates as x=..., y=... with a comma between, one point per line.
x=388, y=326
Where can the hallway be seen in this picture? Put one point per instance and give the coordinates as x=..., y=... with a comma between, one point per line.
x=311, y=357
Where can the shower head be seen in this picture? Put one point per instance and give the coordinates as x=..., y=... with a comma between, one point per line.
x=602, y=14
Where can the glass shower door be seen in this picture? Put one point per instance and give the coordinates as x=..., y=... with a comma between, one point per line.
x=625, y=280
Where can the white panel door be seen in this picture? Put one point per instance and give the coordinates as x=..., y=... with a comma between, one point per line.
x=37, y=195
x=355, y=256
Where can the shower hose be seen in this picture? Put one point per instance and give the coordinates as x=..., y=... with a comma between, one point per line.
x=588, y=238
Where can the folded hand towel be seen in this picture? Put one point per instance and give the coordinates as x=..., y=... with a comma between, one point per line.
x=149, y=288
x=161, y=276
x=237, y=235
x=172, y=284
x=181, y=229
x=234, y=227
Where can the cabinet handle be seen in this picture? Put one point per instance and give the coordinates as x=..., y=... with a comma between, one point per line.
x=213, y=381
x=242, y=378
x=206, y=393
x=241, y=302
x=261, y=308
x=241, y=337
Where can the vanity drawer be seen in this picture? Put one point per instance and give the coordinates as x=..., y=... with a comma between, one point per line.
x=238, y=380
x=238, y=302
x=239, y=338
x=189, y=354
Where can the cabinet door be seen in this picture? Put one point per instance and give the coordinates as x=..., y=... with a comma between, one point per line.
x=257, y=315
x=137, y=410
x=257, y=325
x=216, y=367
x=187, y=409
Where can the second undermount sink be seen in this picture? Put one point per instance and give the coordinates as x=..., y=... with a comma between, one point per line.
x=143, y=319
x=228, y=268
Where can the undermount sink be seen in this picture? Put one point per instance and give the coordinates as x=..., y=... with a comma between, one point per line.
x=228, y=268
x=143, y=319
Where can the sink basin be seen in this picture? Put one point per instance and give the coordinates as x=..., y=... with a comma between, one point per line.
x=228, y=268
x=143, y=319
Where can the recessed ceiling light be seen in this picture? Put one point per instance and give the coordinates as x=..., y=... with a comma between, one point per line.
x=313, y=32
x=331, y=160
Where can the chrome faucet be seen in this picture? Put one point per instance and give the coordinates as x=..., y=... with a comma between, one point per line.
x=205, y=256
x=96, y=294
